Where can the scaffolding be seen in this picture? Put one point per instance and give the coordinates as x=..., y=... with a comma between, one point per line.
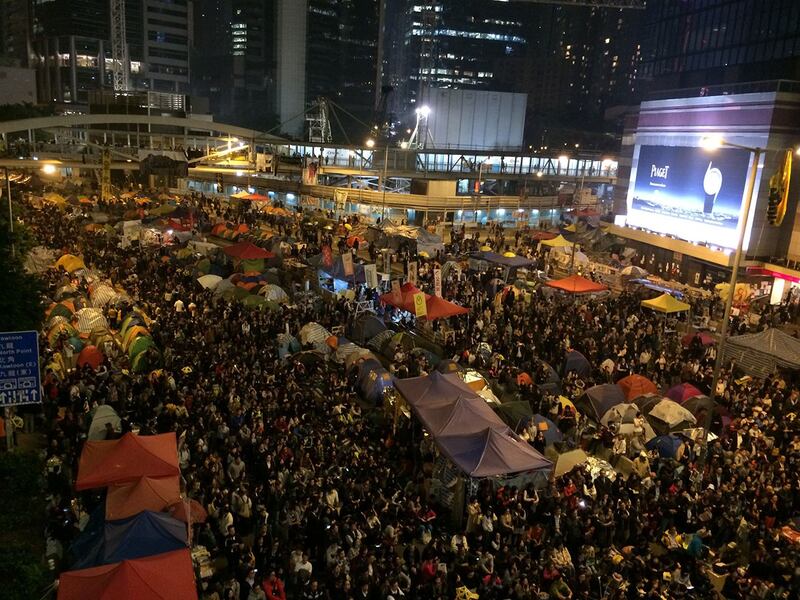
x=120, y=63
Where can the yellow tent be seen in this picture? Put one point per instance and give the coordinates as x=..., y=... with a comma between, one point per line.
x=666, y=304
x=242, y=194
x=571, y=228
x=557, y=242
x=70, y=263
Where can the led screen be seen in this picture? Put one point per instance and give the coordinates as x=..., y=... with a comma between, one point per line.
x=691, y=193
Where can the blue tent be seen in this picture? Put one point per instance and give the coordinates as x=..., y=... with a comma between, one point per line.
x=551, y=432
x=575, y=361
x=366, y=327
x=668, y=446
x=373, y=380
x=144, y=534
x=599, y=399
x=492, y=452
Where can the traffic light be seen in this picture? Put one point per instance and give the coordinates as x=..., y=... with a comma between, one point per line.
x=220, y=186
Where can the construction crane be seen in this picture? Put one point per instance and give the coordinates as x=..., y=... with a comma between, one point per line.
x=120, y=61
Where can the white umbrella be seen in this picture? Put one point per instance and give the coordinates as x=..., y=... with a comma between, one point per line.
x=633, y=271
x=672, y=413
x=209, y=282
x=621, y=413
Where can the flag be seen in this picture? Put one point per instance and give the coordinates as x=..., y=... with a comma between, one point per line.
x=411, y=272
x=327, y=256
x=437, y=282
x=347, y=263
x=371, y=275
x=420, y=308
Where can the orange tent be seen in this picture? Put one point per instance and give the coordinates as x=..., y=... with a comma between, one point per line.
x=167, y=576
x=90, y=355
x=636, y=385
x=148, y=493
x=126, y=460
x=188, y=510
x=575, y=284
x=256, y=198
x=219, y=228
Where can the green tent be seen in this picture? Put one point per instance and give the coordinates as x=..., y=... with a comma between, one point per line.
x=252, y=264
x=139, y=345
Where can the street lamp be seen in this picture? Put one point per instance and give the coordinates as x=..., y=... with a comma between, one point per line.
x=712, y=143
x=49, y=169
x=370, y=143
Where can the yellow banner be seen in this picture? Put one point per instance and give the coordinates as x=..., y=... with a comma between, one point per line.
x=420, y=309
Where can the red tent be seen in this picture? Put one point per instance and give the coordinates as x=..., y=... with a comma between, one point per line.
x=126, y=460
x=148, y=493
x=167, y=576
x=439, y=308
x=636, y=385
x=246, y=251
x=256, y=198
x=90, y=355
x=406, y=300
x=575, y=284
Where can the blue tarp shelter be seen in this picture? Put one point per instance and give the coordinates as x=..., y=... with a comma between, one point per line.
x=492, y=452
x=144, y=534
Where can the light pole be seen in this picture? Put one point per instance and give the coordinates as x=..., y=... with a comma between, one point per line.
x=478, y=191
x=371, y=144
x=10, y=213
x=712, y=144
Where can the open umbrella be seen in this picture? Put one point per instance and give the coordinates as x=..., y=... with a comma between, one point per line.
x=682, y=392
x=705, y=339
x=636, y=385
x=673, y=415
x=668, y=446
x=90, y=355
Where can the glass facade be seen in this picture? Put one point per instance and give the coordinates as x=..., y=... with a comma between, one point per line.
x=720, y=41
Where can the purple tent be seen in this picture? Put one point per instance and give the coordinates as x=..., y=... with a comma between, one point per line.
x=436, y=387
x=468, y=414
x=492, y=452
x=598, y=399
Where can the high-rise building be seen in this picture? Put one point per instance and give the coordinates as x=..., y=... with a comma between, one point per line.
x=73, y=54
x=698, y=44
x=15, y=31
x=440, y=44
x=233, y=59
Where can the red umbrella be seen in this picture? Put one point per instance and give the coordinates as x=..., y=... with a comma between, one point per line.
x=682, y=392
x=706, y=339
x=188, y=510
x=636, y=385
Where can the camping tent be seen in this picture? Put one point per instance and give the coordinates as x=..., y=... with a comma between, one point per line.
x=313, y=333
x=492, y=452
x=247, y=251
x=127, y=459
x=143, y=534
x=665, y=303
x=147, y=493
x=565, y=462
x=103, y=414
x=575, y=361
x=760, y=354
x=682, y=392
x=168, y=576
x=365, y=327
x=599, y=399
x=374, y=380
x=634, y=386
x=575, y=284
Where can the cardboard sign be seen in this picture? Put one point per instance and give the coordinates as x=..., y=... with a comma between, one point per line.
x=411, y=271
x=371, y=275
x=437, y=282
x=347, y=263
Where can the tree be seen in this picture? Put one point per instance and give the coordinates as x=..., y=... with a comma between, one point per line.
x=20, y=292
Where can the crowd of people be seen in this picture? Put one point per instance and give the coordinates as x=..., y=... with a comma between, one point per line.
x=313, y=494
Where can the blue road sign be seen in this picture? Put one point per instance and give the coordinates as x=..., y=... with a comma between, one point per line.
x=20, y=379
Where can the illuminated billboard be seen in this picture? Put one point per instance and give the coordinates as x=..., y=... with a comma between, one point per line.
x=689, y=193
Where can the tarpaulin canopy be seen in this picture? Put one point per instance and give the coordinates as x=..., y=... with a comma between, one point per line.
x=436, y=387
x=247, y=251
x=557, y=242
x=492, y=452
x=575, y=284
x=103, y=463
x=168, y=576
x=500, y=259
x=405, y=301
x=439, y=308
x=147, y=493
x=467, y=415
x=599, y=399
x=666, y=304
x=635, y=385
x=759, y=354
x=144, y=534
